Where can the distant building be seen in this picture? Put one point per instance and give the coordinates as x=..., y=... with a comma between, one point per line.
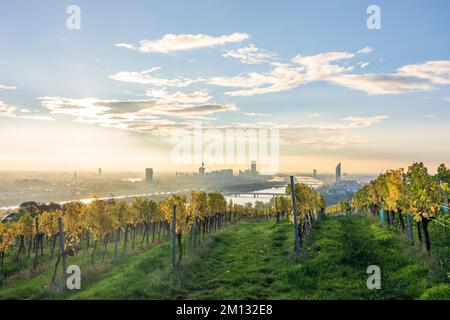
x=99, y=171
x=253, y=168
x=338, y=172
x=201, y=170
x=315, y=173
x=149, y=175
x=250, y=172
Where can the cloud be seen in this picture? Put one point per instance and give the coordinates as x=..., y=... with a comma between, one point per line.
x=255, y=114
x=330, y=136
x=145, y=77
x=363, y=122
x=447, y=99
x=363, y=64
x=180, y=97
x=3, y=87
x=171, y=43
x=322, y=59
x=11, y=112
x=133, y=114
x=326, y=67
x=320, y=66
x=43, y=118
x=283, y=77
x=332, y=67
x=437, y=72
x=313, y=115
x=7, y=110
x=161, y=117
x=321, y=136
x=365, y=50
x=126, y=46
x=375, y=84
x=250, y=55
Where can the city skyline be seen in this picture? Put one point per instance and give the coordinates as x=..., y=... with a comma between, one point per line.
x=111, y=94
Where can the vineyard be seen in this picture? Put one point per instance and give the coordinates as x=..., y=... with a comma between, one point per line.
x=41, y=237
x=200, y=246
x=412, y=202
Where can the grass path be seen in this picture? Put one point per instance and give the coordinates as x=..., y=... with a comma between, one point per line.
x=253, y=260
x=246, y=263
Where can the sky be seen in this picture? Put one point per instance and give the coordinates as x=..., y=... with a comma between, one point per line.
x=122, y=91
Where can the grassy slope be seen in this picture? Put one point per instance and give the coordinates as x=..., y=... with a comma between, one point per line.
x=253, y=261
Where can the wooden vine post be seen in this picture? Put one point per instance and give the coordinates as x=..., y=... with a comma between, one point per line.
x=444, y=196
x=174, y=230
x=294, y=207
x=61, y=244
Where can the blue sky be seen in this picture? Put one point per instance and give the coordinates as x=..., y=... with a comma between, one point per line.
x=328, y=106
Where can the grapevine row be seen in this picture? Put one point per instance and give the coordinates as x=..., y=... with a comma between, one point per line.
x=90, y=228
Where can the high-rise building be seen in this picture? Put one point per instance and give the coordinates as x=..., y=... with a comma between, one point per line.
x=99, y=171
x=201, y=170
x=253, y=168
x=149, y=175
x=315, y=173
x=338, y=172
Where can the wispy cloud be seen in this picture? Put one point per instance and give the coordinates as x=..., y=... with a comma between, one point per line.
x=3, y=87
x=201, y=96
x=159, y=117
x=313, y=115
x=171, y=43
x=321, y=136
x=365, y=50
x=255, y=114
x=437, y=72
x=363, y=122
x=332, y=67
x=145, y=77
x=7, y=110
x=250, y=55
x=363, y=64
x=283, y=77
x=133, y=114
x=375, y=84
x=126, y=46
x=11, y=112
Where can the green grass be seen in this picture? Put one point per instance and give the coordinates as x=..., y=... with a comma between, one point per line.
x=254, y=260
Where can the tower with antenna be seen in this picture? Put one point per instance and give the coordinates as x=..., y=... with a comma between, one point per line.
x=201, y=170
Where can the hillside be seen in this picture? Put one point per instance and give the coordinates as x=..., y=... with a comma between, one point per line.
x=253, y=260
